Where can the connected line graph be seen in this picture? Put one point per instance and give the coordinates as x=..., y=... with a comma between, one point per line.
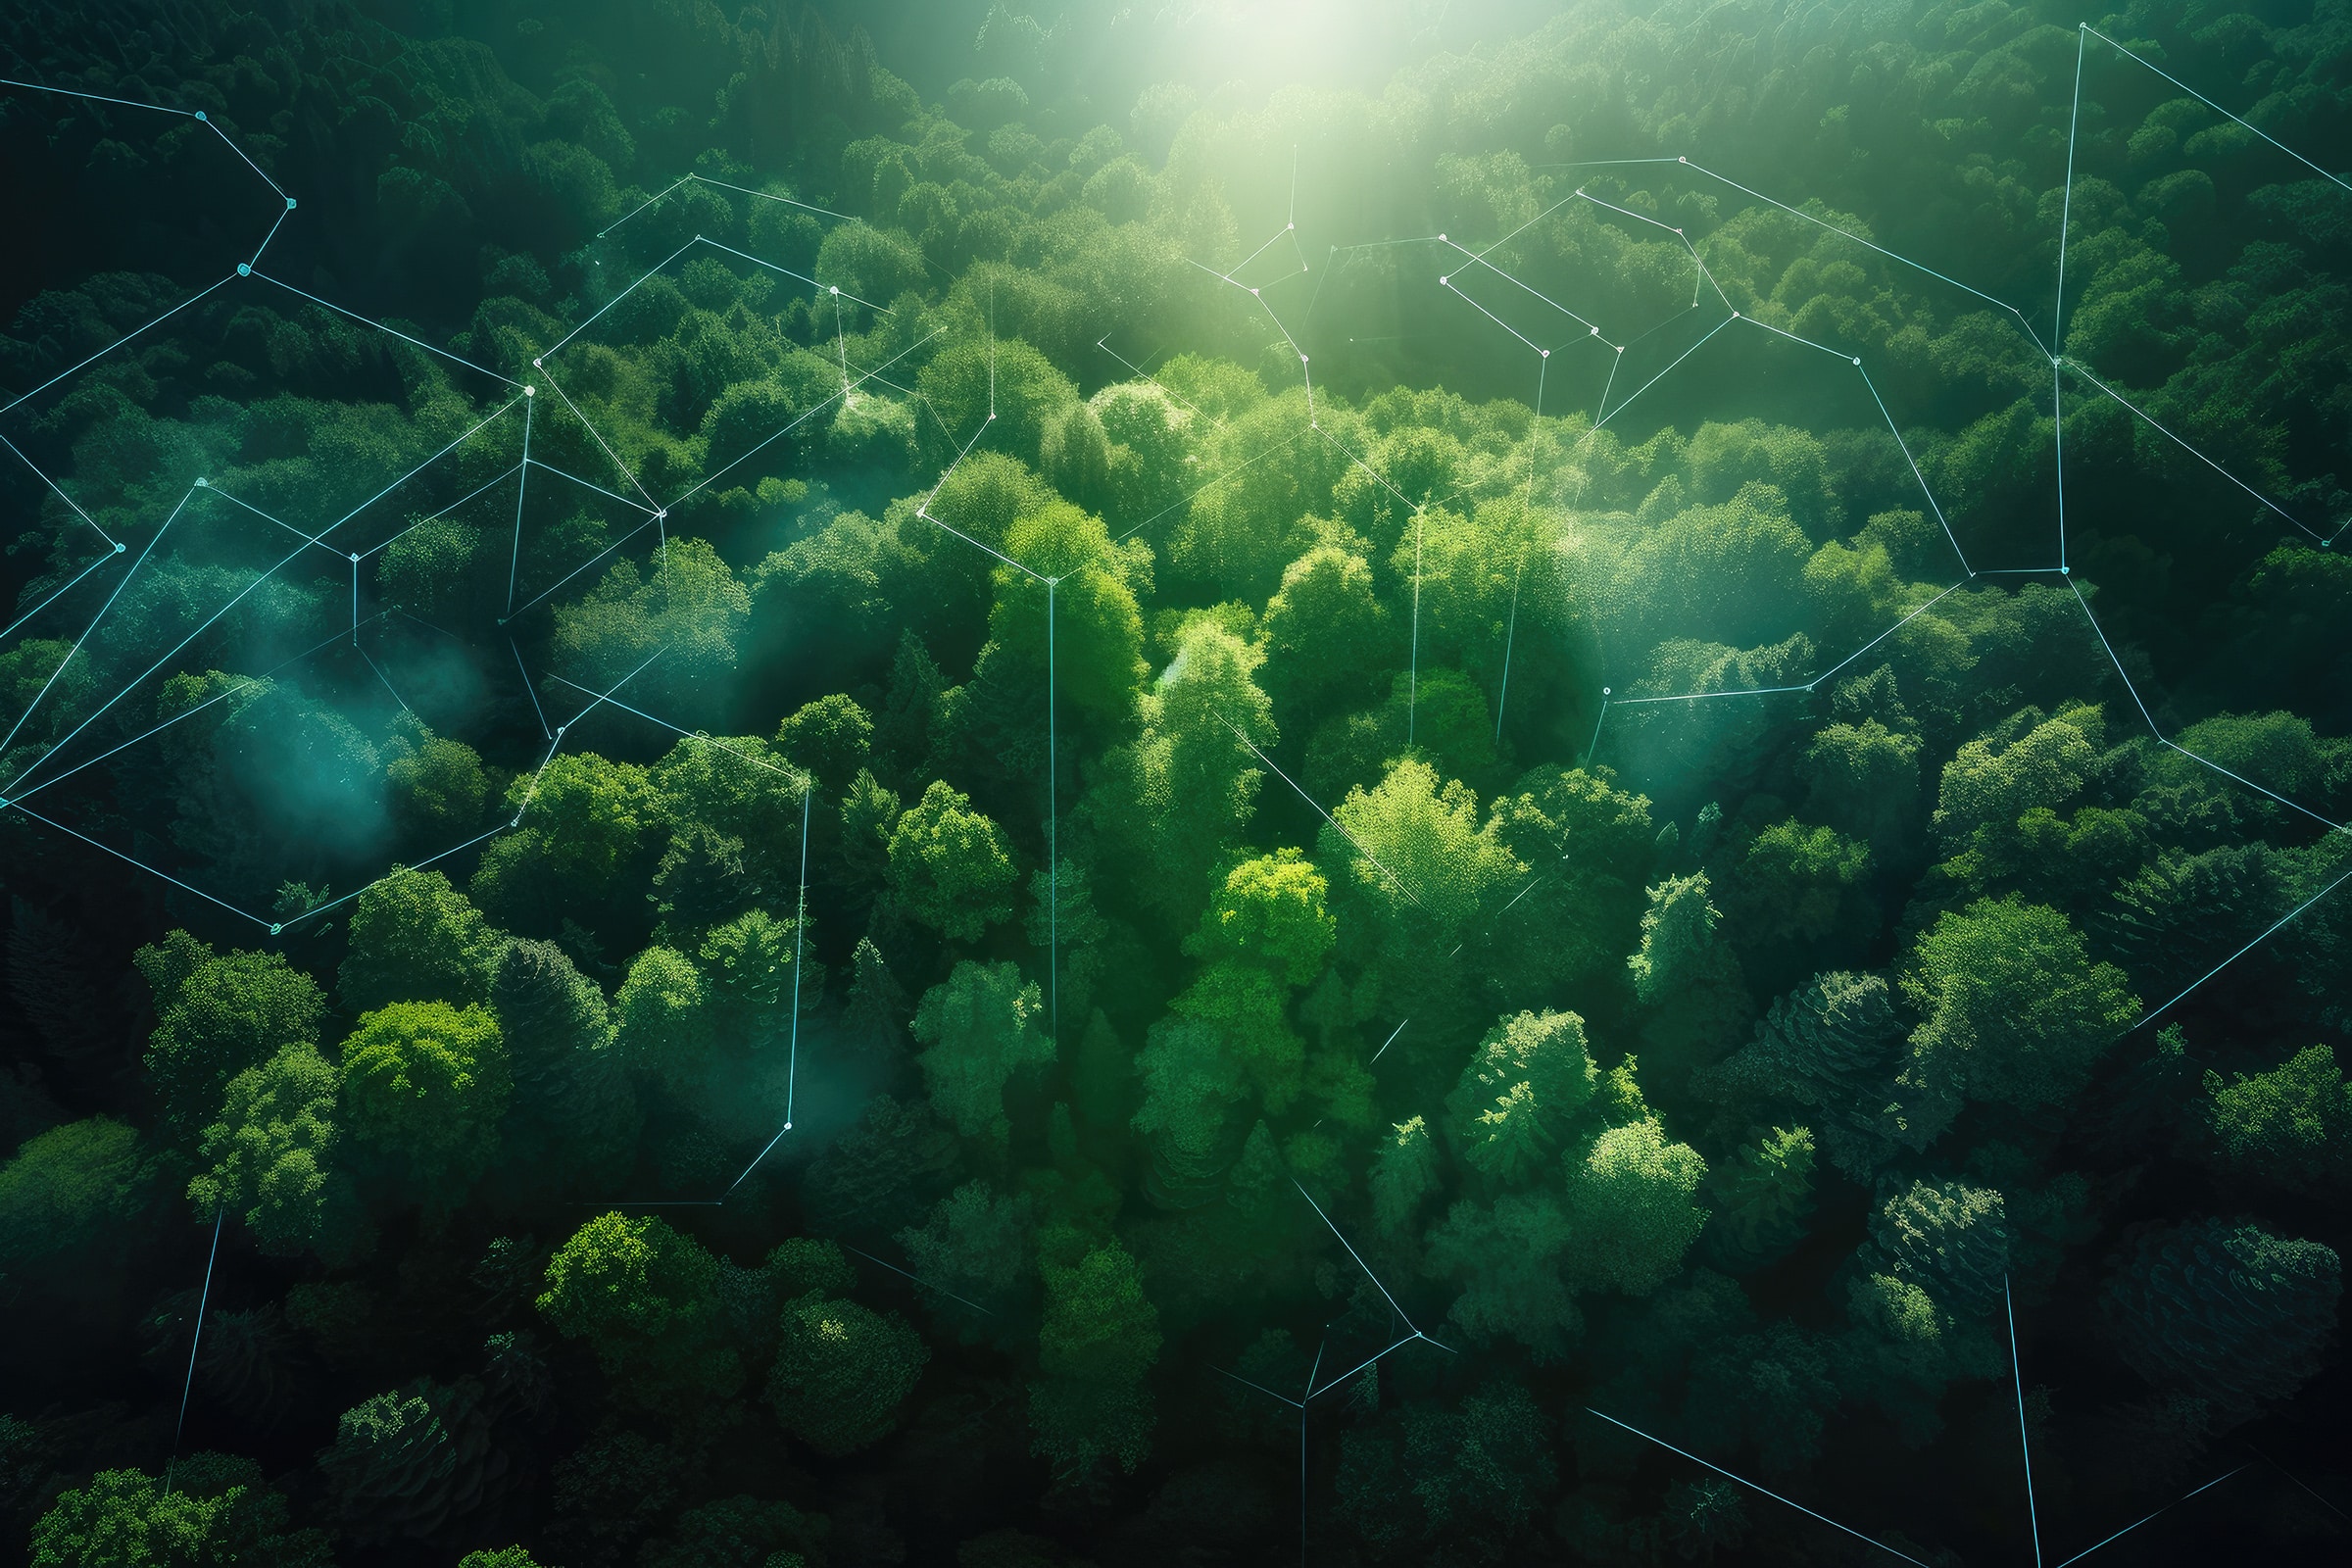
x=587, y=500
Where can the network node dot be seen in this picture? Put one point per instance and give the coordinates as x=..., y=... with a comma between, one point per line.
x=203, y=483
x=559, y=729
x=1441, y=236
x=1441, y=282
x=1301, y=359
x=274, y=929
x=536, y=366
x=664, y=515
x=1857, y=359
x=1604, y=691
x=836, y=290
x=1253, y=292
x=1735, y=315
x=788, y=1126
x=1681, y=159
x=1677, y=231
x=118, y=547
x=1621, y=347
x=1596, y=332
x=244, y=269
x=1289, y=226
x=355, y=557
x=2066, y=572
x=199, y=114
x=530, y=391
x=289, y=204
x=1546, y=353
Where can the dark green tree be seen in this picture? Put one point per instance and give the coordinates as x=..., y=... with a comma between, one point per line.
x=841, y=1372
x=2227, y=1310
x=1098, y=1340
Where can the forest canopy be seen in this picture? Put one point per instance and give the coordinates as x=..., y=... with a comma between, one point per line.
x=1414, y=800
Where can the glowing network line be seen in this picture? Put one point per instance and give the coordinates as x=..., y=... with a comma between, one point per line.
x=204, y=1300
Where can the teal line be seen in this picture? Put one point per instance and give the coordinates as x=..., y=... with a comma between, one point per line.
x=60, y=492
x=642, y=206
x=1753, y=1487
x=2177, y=1501
x=1914, y=474
x=381, y=327
x=1662, y=374
x=57, y=593
x=763, y=195
x=2076, y=366
x=2174, y=745
x=95, y=620
x=195, y=1340
x=96, y=97
x=585, y=484
x=455, y=849
x=241, y=153
x=522, y=487
x=1881, y=249
x=2219, y=109
x=530, y=692
x=550, y=353
x=755, y=260
x=249, y=681
x=598, y=436
x=116, y=344
x=18, y=804
x=2017, y=1378
x=443, y=513
x=2267, y=933
x=2066, y=208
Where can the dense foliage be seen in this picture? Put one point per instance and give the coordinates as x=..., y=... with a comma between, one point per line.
x=963, y=927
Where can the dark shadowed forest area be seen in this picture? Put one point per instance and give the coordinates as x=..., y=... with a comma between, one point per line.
x=905, y=982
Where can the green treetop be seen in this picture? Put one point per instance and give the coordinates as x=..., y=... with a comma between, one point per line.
x=642, y=1296
x=2013, y=1005
x=979, y=1027
x=271, y=1157
x=2228, y=1311
x=1763, y=1199
x=663, y=1017
x=219, y=1510
x=217, y=1015
x=415, y=938
x=1629, y=1203
x=2291, y=1125
x=842, y=1370
x=425, y=1085
x=72, y=1191
x=1269, y=911
x=1523, y=1087
x=1169, y=803
x=1098, y=1340
x=949, y=866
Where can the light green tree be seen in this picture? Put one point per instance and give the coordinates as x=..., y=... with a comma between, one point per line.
x=425, y=1085
x=415, y=938
x=949, y=866
x=1630, y=1207
x=2015, y=1007
x=271, y=1157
